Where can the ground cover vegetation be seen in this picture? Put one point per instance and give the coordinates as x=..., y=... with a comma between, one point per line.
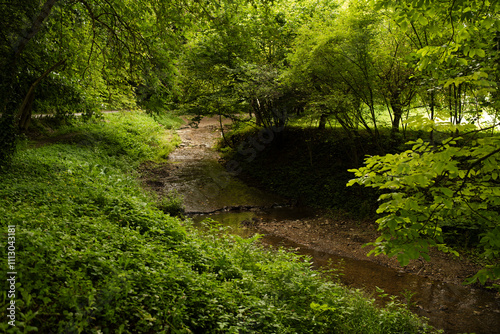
x=373, y=69
x=96, y=254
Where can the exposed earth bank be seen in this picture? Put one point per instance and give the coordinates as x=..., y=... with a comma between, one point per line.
x=345, y=237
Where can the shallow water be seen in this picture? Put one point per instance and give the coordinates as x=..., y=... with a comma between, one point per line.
x=196, y=174
x=453, y=308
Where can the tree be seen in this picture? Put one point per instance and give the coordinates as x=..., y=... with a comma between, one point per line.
x=232, y=64
x=456, y=51
x=437, y=188
x=9, y=82
x=397, y=83
x=356, y=56
x=89, y=52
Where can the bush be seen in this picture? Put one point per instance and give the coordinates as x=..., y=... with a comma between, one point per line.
x=95, y=255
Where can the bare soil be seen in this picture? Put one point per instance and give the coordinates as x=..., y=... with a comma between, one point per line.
x=345, y=237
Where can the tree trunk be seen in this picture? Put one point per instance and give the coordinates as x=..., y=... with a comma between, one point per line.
x=257, y=111
x=397, y=111
x=432, y=116
x=322, y=121
x=25, y=111
x=24, y=116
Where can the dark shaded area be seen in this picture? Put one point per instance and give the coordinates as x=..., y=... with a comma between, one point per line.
x=311, y=166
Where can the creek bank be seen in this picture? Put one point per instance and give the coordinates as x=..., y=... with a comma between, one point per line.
x=346, y=237
x=194, y=171
x=312, y=169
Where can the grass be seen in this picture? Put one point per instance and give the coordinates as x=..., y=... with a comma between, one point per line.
x=168, y=121
x=95, y=254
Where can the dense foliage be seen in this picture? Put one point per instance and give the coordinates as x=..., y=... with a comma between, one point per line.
x=96, y=255
x=448, y=181
x=353, y=64
x=422, y=66
x=430, y=190
x=64, y=57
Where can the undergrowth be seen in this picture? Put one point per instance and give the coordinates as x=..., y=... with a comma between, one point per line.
x=94, y=254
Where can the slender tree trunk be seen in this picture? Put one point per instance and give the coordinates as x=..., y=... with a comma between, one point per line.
x=432, y=115
x=459, y=101
x=450, y=102
x=257, y=108
x=397, y=111
x=322, y=121
x=24, y=115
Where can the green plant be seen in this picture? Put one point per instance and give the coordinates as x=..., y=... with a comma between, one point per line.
x=171, y=203
x=97, y=255
x=429, y=188
x=408, y=296
x=169, y=121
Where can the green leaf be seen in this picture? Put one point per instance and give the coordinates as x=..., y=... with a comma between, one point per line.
x=392, y=224
x=404, y=259
x=447, y=192
x=448, y=203
x=413, y=253
x=423, y=20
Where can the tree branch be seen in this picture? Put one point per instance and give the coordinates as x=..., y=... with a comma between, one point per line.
x=28, y=34
x=474, y=164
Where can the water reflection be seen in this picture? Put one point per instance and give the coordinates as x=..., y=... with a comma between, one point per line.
x=456, y=309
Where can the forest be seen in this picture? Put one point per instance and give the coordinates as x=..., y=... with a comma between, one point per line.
x=378, y=110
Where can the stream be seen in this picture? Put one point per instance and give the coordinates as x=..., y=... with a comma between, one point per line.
x=210, y=192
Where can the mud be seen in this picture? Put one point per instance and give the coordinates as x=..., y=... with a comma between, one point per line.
x=194, y=172
x=346, y=238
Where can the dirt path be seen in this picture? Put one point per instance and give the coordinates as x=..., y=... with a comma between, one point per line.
x=194, y=172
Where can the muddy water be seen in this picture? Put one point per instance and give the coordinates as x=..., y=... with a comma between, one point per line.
x=210, y=192
x=453, y=308
x=205, y=185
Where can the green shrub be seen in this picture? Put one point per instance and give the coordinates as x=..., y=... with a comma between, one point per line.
x=96, y=255
x=172, y=204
